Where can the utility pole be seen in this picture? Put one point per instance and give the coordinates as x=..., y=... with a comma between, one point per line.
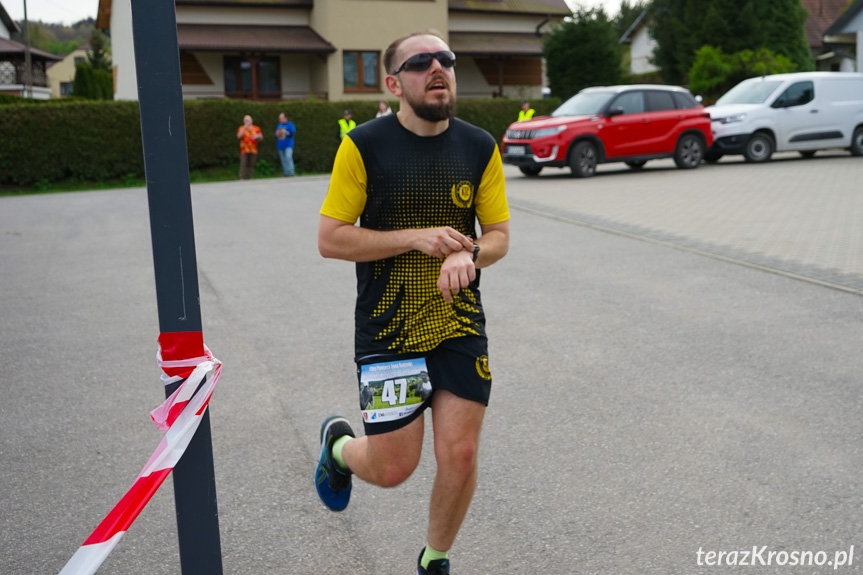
x=166, y=163
x=27, y=76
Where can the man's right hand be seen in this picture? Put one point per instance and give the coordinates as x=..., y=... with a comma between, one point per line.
x=441, y=242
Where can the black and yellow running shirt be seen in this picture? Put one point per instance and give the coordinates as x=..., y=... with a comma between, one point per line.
x=392, y=179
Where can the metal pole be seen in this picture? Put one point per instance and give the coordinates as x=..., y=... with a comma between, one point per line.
x=28, y=63
x=163, y=130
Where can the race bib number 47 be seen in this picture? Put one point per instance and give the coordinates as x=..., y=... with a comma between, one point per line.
x=394, y=389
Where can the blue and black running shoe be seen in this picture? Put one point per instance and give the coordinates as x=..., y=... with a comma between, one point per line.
x=332, y=482
x=436, y=567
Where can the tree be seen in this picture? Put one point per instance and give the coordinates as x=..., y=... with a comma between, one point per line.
x=715, y=72
x=98, y=54
x=785, y=31
x=682, y=27
x=582, y=52
x=675, y=25
x=93, y=84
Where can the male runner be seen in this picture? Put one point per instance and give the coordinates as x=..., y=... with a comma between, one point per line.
x=417, y=181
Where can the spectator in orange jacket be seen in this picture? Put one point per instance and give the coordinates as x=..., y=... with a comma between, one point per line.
x=249, y=136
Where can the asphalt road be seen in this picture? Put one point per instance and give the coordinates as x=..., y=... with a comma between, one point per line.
x=648, y=402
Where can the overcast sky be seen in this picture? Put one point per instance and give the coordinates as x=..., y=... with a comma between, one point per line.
x=70, y=11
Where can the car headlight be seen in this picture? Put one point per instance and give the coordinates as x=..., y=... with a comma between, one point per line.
x=731, y=119
x=548, y=131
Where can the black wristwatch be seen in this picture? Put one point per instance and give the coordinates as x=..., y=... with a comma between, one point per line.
x=475, y=251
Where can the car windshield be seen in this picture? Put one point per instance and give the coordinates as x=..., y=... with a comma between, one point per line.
x=584, y=104
x=749, y=92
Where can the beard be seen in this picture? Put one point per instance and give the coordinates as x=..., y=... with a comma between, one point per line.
x=432, y=112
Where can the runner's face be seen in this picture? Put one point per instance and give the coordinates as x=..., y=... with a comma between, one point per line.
x=431, y=94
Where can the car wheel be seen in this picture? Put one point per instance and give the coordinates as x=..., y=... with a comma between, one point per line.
x=759, y=148
x=583, y=159
x=689, y=152
x=712, y=156
x=808, y=154
x=857, y=142
x=636, y=165
x=530, y=170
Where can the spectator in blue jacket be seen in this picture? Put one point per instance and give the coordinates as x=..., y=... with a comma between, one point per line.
x=285, y=144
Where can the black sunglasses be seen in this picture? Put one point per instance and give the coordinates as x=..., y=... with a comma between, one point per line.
x=422, y=62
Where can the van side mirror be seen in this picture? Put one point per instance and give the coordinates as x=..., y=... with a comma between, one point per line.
x=699, y=99
x=616, y=111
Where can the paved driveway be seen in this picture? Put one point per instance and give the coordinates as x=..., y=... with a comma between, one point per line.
x=648, y=402
x=800, y=217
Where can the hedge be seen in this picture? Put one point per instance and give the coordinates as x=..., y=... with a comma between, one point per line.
x=100, y=140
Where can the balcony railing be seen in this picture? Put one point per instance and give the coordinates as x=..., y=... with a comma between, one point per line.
x=12, y=73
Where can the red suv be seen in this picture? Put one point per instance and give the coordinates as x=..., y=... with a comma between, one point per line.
x=631, y=124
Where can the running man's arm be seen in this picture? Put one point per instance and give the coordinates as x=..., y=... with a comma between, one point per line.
x=459, y=270
x=345, y=241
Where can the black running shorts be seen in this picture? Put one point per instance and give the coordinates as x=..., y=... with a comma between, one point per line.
x=396, y=388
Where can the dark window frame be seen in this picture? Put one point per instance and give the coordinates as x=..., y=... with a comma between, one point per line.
x=361, y=71
x=256, y=92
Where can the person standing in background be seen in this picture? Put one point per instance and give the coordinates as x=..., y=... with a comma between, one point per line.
x=526, y=112
x=249, y=136
x=383, y=109
x=346, y=124
x=285, y=131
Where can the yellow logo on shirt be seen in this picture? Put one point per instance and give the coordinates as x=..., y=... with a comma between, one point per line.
x=482, y=367
x=462, y=194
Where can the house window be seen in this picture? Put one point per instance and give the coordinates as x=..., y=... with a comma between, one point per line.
x=361, y=71
x=252, y=77
x=80, y=60
x=66, y=88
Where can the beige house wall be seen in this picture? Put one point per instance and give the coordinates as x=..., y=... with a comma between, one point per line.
x=241, y=16
x=368, y=26
x=515, y=23
x=63, y=71
x=351, y=25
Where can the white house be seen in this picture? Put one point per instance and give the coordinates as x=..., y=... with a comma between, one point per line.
x=848, y=30
x=641, y=45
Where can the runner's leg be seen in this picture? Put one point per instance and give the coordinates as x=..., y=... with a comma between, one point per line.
x=386, y=459
x=457, y=424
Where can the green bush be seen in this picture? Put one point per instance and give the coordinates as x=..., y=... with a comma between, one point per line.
x=92, y=140
x=93, y=83
x=715, y=72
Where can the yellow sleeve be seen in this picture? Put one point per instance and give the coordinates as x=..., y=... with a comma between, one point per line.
x=491, y=205
x=346, y=198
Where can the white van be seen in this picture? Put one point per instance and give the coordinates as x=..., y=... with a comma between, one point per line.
x=802, y=112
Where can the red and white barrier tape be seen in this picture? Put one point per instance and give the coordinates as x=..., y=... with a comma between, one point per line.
x=179, y=417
